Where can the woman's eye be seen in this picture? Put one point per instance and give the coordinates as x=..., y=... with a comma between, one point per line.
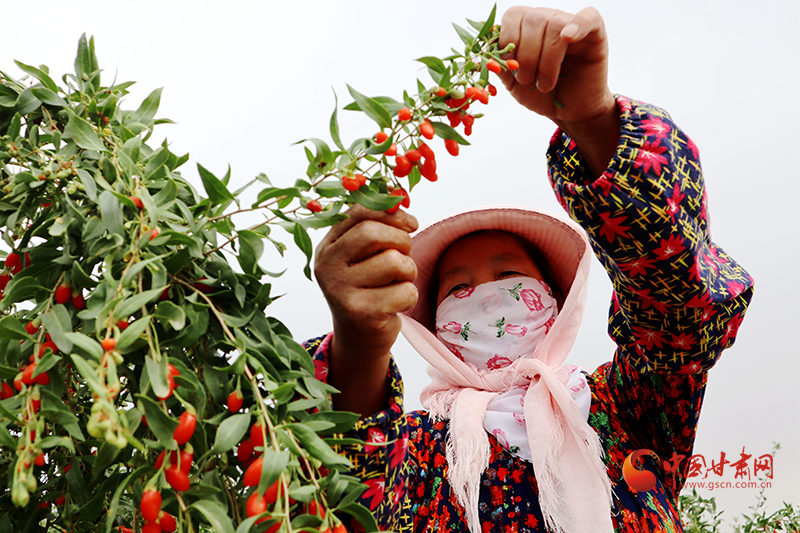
x=509, y=273
x=458, y=287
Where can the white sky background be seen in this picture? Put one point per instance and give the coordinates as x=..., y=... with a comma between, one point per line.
x=244, y=80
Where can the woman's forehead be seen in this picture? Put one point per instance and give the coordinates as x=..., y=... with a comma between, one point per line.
x=492, y=245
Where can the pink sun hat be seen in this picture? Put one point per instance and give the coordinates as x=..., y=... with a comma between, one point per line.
x=562, y=242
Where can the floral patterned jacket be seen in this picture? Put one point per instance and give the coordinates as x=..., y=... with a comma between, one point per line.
x=678, y=302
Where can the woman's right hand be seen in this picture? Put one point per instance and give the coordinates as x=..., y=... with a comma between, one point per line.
x=366, y=274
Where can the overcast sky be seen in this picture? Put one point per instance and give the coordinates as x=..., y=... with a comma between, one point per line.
x=244, y=80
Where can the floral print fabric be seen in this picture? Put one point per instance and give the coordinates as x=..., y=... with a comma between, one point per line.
x=678, y=302
x=494, y=324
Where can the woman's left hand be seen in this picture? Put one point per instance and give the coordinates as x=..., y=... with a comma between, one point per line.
x=563, y=75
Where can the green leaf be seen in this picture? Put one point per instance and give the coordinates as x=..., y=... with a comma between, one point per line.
x=159, y=423
x=391, y=105
x=216, y=515
x=175, y=238
x=445, y=131
x=274, y=463
x=375, y=200
x=169, y=313
x=134, y=330
x=434, y=63
x=56, y=410
x=487, y=26
x=372, y=108
x=12, y=328
x=463, y=34
x=317, y=447
x=330, y=189
x=86, y=60
x=216, y=190
x=147, y=111
x=39, y=75
x=57, y=323
x=88, y=345
x=335, y=123
x=303, y=241
x=88, y=373
x=83, y=134
x=128, y=306
x=230, y=432
x=362, y=514
x=251, y=247
x=157, y=373
x=111, y=213
x=47, y=96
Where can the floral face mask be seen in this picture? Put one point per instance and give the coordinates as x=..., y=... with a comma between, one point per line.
x=495, y=323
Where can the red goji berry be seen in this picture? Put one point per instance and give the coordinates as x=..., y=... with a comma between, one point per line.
x=155, y=232
x=235, y=401
x=31, y=328
x=166, y=522
x=428, y=170
x=177, y=478
x=350, y=183
x=4, y=279
x=136, y=201
x=426, y=151
x=122, y=325
x=404, y=114
x=6, y=391
x=413, y=156
x=405, y=202
x=151, y=527
x=63, y=293
x=252, y=475
x=492, y=89
x=493, y=66
x=441, y=92
x=402, y=166
x=512, y=64
x=426, y=130
x=109, y=344
x=256, y=505
x=452, y=147
x=257, y=434
x=78, y=302
x=313, y=206
x=362, y=179
x=186, y=424
x=454, y=117
x=13, y=263
x=245, y=450
x=391, y=151
x=150, y=505
x=381, y=137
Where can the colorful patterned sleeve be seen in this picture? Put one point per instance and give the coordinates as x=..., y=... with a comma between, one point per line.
x=678, y=298
x=381, y=461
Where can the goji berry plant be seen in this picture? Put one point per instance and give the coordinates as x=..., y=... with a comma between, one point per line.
x=144, y=387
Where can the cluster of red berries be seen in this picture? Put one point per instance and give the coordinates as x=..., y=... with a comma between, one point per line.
x=155, y=520
x=13, y=265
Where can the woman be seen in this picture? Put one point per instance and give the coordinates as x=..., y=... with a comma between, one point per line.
x=512, y=439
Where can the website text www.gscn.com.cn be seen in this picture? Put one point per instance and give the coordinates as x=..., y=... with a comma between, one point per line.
x=711, y=485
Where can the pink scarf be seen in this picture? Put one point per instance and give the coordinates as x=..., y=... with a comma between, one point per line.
x=574, y=489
